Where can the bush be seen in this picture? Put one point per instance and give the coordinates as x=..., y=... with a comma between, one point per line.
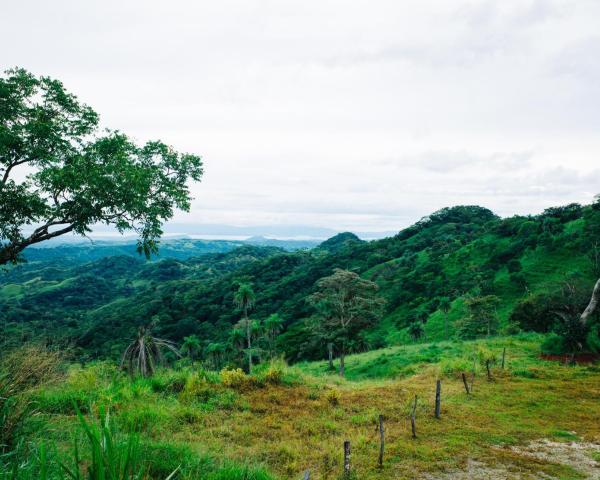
x=593, y=339
x=196, y=389
x=455, y=366
x=333, y=397
x=553, y=345
x=236, y=379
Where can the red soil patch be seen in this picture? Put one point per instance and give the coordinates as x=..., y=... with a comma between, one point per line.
x=578, y=358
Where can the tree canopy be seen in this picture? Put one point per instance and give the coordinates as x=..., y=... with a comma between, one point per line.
x=60, y=173
x=346, y=304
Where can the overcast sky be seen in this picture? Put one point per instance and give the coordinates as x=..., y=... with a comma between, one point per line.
x=360, y=115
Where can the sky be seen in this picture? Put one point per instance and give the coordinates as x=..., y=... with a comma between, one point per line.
x=345, y=115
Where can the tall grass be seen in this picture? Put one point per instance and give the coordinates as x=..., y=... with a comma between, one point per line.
x=21, y=372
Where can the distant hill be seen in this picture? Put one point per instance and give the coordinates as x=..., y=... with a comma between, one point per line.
x=180, y=249
x=455, y=253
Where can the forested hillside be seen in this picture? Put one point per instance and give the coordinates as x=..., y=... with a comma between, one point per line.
x=432, y=275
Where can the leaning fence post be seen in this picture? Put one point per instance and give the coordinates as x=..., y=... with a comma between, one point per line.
x=381, y=440
x=307, y=475
x=503, y=356
x=438, y=398
x=347, y=458
x=464, y=379
x=413, y=418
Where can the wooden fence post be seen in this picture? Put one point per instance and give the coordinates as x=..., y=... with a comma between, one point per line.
x=464, y=379
x=503, y=356
x=413, y=418
x=381, y=440
x=487, y=367
x=347, y=458
x=438, y=398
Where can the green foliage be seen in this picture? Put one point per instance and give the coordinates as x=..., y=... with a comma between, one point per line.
x=81, y=176
x=482, y=318
x=450, y=256
x=346, y=304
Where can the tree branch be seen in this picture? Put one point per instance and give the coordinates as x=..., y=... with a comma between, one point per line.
x=10, y=167
x=591, y=308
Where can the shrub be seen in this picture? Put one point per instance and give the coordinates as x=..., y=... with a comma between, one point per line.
x=236, y=379
x=196, y=389
x=333, y=397
x=593, y=339
x=455, y=366
x=553, y=345
x=485, y=355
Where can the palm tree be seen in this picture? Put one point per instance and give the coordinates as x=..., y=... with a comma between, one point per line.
x=214, y=351
x=244, y=299
x=191, y=344
x=272, y=325
x=142, y=354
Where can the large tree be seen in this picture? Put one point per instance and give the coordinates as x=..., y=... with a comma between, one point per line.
x=244, y=299
x=346, y=305
x=60, y=173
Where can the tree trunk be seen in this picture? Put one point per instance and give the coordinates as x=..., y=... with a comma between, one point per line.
x=249, y=339
x=342, y=366
x=330, y=349
x=591, y=308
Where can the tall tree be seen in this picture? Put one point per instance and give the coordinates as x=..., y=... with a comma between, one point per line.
x=60, y=173
x=244, y=299
x=346, y=304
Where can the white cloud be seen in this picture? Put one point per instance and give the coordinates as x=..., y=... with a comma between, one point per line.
x=361, y=114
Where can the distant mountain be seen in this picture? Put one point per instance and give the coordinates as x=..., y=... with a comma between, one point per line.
x=289, y=245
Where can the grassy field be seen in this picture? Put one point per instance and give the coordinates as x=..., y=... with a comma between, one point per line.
x=282, y=420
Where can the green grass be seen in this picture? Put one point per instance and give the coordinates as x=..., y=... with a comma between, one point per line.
x=406, y=360
x=283, y=420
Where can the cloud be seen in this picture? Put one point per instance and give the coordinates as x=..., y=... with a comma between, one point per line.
x=363, y=114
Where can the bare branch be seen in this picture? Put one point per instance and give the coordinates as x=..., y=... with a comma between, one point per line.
x=591, y=308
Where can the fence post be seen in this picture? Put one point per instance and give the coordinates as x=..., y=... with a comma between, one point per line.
x=464, y=379
x=307, y=475
x=347, y=458
x=487, y=367
x=381, y=440
x=503, y=357
x=413, y=418
x=438, y=398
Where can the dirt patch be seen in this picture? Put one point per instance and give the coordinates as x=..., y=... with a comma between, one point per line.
x=579, y=359
x=580, y=456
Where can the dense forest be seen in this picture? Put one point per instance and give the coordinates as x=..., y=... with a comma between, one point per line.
x=461, y=272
